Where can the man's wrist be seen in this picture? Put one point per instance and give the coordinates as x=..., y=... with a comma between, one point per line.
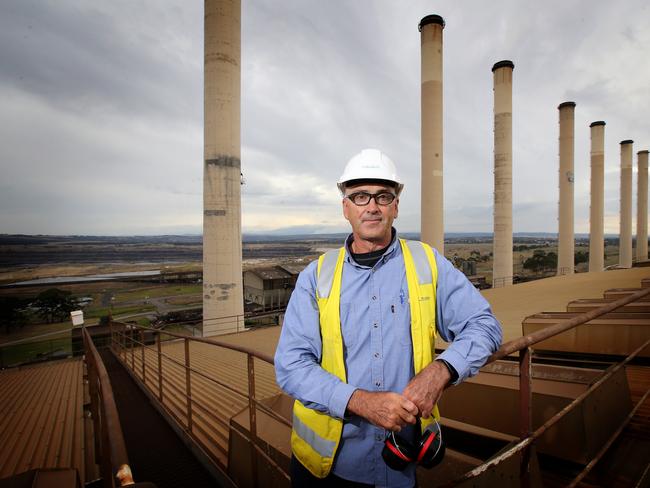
x=453, y=374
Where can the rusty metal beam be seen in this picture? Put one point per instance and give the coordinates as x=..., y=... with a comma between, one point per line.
x=607, y=445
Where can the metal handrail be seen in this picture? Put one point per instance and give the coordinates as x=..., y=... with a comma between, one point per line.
x=522, y=344
x=553, y=330
x=112, y=456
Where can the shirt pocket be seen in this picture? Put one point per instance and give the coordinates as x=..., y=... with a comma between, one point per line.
x=402, y=321
x=350, y=324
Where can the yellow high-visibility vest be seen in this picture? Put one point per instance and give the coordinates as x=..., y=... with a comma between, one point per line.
x=315, y=435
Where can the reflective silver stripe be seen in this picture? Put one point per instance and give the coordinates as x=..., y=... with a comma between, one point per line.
x=326, y=275
x=421, y=262
x=322, y=446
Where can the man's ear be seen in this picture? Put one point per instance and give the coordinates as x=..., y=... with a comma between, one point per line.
x=345, y=208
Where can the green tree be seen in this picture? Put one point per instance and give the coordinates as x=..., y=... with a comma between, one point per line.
x=54, y=304
x=12, y=313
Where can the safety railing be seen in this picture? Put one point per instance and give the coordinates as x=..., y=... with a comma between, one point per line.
x=527, y=437
x=110, y=449
x=141, y=350
x=126, y=339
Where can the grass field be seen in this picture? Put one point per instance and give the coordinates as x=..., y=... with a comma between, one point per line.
x=33, y=351
x=156, y=291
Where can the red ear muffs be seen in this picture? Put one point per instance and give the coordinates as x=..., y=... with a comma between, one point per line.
x=428, y=452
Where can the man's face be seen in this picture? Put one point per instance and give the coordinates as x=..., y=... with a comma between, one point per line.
x=372, y=222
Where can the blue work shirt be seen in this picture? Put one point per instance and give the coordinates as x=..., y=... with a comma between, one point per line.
x=376, y=330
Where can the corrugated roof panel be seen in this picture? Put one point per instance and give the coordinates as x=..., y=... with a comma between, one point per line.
x=41, y=417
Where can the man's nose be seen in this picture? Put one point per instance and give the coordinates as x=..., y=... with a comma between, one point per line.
x=372, y=206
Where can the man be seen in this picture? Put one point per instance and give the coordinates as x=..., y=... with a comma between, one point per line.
x=357, y=344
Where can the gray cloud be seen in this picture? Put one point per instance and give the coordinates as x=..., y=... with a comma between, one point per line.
x=101, y=126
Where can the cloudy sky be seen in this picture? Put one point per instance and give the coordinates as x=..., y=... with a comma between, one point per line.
x=101, y=108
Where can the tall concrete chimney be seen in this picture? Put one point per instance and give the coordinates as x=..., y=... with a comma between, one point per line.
x=502, y=267
x=642, y=208
x=596, y=231
x=432, y=201
x=223, y=307
x=565, y=259
x=625, y=239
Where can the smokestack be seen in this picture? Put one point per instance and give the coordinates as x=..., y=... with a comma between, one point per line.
x=565, y=257
x=642, y=208
x=625, y=239
x=432, y=213
x=223, y=308
x=596, y=231
x=502, y=268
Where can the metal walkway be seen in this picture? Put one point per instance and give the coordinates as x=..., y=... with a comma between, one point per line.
x=156, y=454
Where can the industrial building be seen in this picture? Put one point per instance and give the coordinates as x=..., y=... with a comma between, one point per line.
x=270, y=287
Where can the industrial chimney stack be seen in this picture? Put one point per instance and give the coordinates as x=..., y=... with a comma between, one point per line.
x=596, y=230
x=432, y=201
x=223, y=307
x=642, y=207
x=502, y=268
x=625, y=239
x=565, y=261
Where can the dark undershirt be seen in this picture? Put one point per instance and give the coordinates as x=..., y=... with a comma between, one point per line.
x=368, y=258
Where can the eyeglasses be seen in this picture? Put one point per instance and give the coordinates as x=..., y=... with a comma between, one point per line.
x=362, y=198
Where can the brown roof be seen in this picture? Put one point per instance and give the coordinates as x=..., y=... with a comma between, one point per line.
x=41, y=417
x=271, y=273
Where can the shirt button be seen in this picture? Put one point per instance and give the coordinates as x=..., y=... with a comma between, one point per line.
x=378, y=384
x=378, y=437
x=374, y=325
x=376, y=354
x=374, y=297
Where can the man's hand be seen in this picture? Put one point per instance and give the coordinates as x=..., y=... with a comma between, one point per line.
x=426, y=388
x=388, y=410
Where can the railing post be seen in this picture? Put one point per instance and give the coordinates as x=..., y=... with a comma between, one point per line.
x=252, y=415
x=144, y=381
x=525, y=412
x=160, y=390
x=188, y=385
x=132, y=348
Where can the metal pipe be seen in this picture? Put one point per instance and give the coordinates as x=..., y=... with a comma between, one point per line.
x=596, y=209
x=431, y=195
x=565, y=253
x=502, y=265
x=526, y=411
x=547, y=425
x=642, y=207
x=625, y=239
x=540, y=335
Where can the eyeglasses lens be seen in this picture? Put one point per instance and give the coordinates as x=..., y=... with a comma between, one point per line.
x=362, y=198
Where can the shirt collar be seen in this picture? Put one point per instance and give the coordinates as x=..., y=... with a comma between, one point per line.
x=391, y=249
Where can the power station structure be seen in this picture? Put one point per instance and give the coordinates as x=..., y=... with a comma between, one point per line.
x=625, y=240
x=565, y=254
x=223, y=302
x=642, y=207
x=502, y=267
x=597, y=206
x=432, y=189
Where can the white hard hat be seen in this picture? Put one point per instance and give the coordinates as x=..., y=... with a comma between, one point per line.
x=370, y=164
